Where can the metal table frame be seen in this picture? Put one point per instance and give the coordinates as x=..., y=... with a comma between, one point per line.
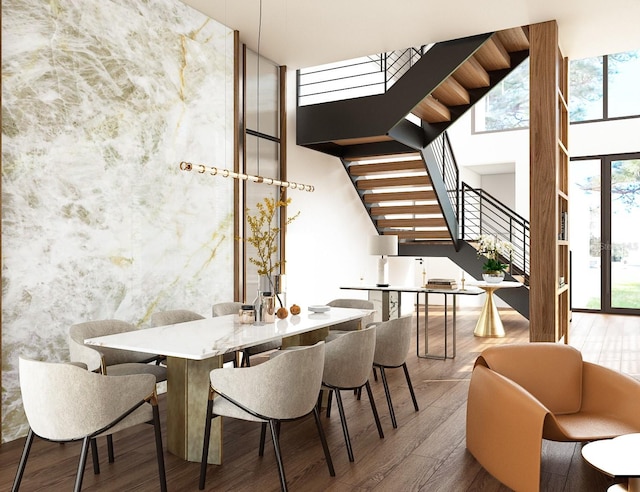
x=421, y=290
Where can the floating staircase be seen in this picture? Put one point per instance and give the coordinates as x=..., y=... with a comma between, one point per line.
x=395, y=150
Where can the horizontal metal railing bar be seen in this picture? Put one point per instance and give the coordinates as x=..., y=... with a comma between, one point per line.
x=309, y=71
x=346, y=77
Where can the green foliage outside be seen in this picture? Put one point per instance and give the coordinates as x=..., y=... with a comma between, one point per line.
x=622, y=296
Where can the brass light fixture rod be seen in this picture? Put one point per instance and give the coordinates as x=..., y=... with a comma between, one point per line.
x=226, y=173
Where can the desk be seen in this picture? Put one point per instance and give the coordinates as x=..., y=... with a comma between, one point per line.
x=618, y=457
x=421, y=290
x=194, y=348
x=489, y=323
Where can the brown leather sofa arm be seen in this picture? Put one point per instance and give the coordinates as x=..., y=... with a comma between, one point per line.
x=608, y=392
x=504, y=429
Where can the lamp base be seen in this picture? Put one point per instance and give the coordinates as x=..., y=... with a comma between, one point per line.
x=382, y=285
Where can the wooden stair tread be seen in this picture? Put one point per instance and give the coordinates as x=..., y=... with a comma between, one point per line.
x=384, y=167
x=430, y=235
x=472, y=75
x=432, y=111
x=423, y=195
x=372, y=184
x=362, y=140
x=452, y=93
x=375, y=157
x=431, y=222
x=514, y=39
x=492, y=55
x=405, y=209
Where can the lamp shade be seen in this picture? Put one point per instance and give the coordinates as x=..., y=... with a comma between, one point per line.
x=383, y=245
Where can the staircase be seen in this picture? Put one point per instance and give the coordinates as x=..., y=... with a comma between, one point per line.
x=396, y=152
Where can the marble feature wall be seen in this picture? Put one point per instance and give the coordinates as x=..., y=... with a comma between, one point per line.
x=101, y=100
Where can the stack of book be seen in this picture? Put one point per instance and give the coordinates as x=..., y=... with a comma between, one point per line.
x=441, y=283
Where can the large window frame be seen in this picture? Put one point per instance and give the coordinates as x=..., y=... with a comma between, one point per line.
x=477, y=112
x=606, y=242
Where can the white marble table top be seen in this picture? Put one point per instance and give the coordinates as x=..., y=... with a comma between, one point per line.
x=211, y=337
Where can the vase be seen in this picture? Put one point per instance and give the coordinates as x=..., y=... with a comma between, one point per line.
x=493, y=277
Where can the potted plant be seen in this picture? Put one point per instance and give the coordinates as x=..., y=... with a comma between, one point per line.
x=492, y=249
x=264, y=232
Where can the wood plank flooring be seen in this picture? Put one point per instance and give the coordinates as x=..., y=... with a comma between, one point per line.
x=425, y=453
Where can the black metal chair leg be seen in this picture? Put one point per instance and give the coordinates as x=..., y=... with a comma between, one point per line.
x=23, y=461
x=413, y=395
x=94, y=457
x=205, y=445
x=329, y=401
x=374, y=409
x=159, y=452
x=276, y=447
x=323, y=440
x=343, y=421
x=110, y=452
x=388, y=395
x=263, y=435
x=82, y=463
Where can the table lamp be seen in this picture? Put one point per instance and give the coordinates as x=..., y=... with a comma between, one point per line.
x=383, y=246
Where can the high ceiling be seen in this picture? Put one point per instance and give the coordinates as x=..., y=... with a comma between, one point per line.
x=305, y=33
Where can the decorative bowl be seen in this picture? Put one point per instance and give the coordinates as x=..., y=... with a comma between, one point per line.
x=319, y=309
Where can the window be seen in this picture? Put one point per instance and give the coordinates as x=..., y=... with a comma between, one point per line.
x=601, y=88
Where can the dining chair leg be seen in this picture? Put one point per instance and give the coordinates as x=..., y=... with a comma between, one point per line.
x=23, y=461
x=329, y=401
x=413, y=395
x=159, y=452
x=82, y=463
x=94, y=457
x=374, y=410
x=343, y=421
x=110, y=452
x=205, y=445
x=388, y=395
x=263, y=435
x=276, y=447
x=323, y=440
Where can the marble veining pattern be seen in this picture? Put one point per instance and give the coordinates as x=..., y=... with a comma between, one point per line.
x=101, y=100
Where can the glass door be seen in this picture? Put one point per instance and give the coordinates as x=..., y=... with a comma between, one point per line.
x=624, y=253
x=604, y=233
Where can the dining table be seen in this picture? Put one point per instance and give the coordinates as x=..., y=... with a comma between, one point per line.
x=195, y=348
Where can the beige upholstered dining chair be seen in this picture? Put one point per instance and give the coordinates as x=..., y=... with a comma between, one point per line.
x=347, y=326
x=109, y=361
x=393, y=340
x=175, y=316
x=65, y=403
x=347, y=365
x=225, y=308
x=280, y=389
x=113, y=362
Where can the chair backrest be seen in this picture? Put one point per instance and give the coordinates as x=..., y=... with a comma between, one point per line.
x=551, y=372
x=79, y=352
x=173, y=317
x=348, y=358
x=355, y=304
x=224, y=308
x=284, y=387
x=393, y=339
x=64, y=401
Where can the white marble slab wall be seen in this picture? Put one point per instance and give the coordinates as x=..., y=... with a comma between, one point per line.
x=101, y=100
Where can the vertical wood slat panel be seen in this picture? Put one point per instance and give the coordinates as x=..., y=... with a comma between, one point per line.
x=543, y=176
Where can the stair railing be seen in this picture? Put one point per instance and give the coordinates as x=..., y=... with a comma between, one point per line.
x=448, y=168
x=358, y=77
x=484, y=214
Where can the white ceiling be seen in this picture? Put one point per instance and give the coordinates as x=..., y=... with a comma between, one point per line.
x=304, y=33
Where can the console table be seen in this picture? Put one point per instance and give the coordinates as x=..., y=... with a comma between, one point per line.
x=388, y=308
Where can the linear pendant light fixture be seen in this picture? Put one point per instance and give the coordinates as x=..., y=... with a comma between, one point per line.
x=226, y=173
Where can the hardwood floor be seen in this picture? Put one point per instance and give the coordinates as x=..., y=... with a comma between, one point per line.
x=425, y=453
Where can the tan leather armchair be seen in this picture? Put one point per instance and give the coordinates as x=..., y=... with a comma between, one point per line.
x=523, y=393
